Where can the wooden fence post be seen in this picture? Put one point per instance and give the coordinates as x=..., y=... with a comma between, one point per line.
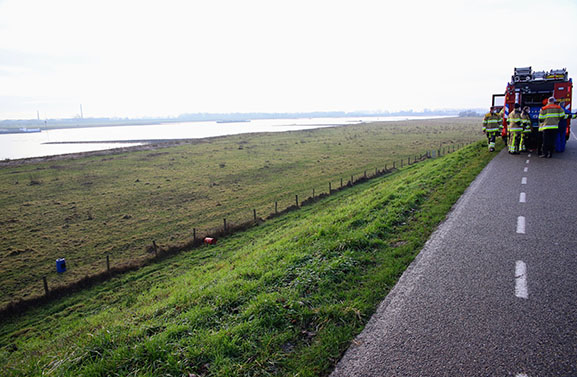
x=194, y=234
x=254, y=213
x=330, y=188
x=155, y=247
x=297, y=200
x=45, y=285
x=313, y=193
x=275, y=207
x=341, y=183
x=224, y=224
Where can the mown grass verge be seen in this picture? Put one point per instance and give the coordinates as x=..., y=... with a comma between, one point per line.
x=284, y=298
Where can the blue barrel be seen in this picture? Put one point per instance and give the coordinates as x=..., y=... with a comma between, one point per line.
x=60, y=265
x=560, y=137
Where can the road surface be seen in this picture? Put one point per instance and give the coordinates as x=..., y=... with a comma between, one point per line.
x=494, y=290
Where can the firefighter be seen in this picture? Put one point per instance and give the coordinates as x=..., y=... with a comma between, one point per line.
x=515, y=126
x=549, y=118
x=492, y=123
x=526, y=128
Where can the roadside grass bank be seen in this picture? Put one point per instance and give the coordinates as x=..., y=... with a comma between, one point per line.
x=281, y=299
x=88, y=208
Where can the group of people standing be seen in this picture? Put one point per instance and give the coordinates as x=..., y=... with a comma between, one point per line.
x=520, y=130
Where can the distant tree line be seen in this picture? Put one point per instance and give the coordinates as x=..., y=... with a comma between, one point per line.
x=469, y=113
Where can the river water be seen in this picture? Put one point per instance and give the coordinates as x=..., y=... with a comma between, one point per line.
x=74, y=140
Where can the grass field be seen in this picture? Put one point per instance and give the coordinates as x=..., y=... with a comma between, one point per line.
x=84, y=209
x=281, y=299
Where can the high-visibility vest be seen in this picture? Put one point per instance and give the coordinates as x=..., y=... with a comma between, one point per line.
x=515, y=121
x=491, y=122
x=549, y=117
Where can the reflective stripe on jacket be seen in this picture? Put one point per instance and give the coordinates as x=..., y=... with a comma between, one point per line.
x=515, y=121
x=491, y=122
x=549, y=117
x=526, y=122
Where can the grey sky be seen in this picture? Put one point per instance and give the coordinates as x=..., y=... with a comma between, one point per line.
x=156, y=58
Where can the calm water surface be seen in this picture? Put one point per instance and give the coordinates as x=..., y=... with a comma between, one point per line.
x=15, y=146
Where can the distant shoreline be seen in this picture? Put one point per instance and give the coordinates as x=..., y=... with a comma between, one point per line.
x=154, y=144
x=53, y=124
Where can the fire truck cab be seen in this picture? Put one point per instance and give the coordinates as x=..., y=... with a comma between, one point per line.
x=532, y=89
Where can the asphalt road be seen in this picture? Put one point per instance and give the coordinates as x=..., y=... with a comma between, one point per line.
x=494, y=291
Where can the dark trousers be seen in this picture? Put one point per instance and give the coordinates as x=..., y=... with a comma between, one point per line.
x=549, y=137
x=539, y=139
x=531, y=141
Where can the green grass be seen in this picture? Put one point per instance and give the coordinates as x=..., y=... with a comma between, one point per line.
x=87, y=208
x=282, y=299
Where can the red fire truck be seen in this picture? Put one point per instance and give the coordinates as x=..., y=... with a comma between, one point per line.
x=532, y=89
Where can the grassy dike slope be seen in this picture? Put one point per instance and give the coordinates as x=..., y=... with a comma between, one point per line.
x=87, y=208
x=284, y=298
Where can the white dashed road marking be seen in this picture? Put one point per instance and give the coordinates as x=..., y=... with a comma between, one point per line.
x=526, y=170
x=521, y=224
x=521, y=280
x=522, y=198
x=524, y=180
x=527, y=161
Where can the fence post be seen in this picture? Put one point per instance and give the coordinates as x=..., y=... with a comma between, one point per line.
x=313, y=193
x=224, y=224
x=194, y=234
x=351, y=179
x=401, y=162
x=254, y=213
x=275, y=207
x=393, y=164
x=155, y=247
x=376, y=172
x=330, y=188
x=297, y=200
x=341, y=183
x=45, y=285
x=365, y=174
x=107, y=263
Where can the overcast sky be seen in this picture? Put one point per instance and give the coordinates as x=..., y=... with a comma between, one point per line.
x=162, y=58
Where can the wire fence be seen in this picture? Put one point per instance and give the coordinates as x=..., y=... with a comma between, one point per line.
x=210, y=236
